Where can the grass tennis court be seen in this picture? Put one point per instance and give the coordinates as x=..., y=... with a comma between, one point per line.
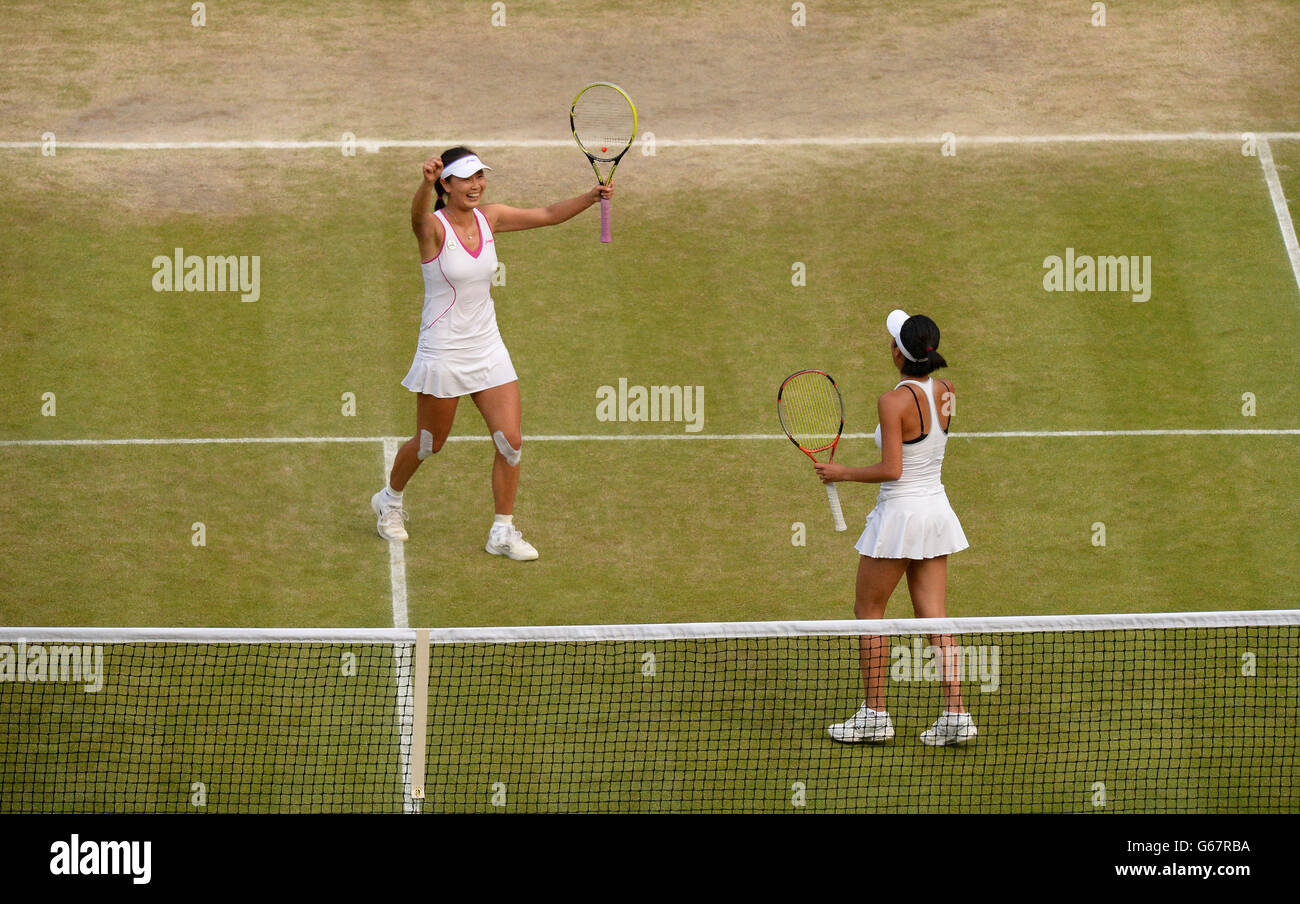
x=653, y=530
x=731, y=267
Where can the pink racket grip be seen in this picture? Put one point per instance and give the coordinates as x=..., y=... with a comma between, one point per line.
x=604, y=220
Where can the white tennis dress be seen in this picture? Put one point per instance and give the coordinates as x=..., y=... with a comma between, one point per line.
x=912, y=518
x=460, y=349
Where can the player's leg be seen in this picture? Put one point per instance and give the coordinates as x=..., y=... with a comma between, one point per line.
x=877, y=579
x=503, y=414
x=433, y=420
x=927, y=581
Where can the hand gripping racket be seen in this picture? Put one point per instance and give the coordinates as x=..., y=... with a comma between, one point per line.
x=603, y=119
x=812, y=414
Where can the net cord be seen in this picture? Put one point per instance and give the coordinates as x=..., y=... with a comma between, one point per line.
x=664, y=631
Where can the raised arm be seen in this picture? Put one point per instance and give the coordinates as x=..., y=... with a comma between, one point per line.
x=502, y=218
x=424, y=224
x=890, y=467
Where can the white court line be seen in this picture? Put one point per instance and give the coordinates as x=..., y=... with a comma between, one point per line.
x=403, y=660
x=1012, y=434
x=194, y=441
x=405, y=702
x=396, y=548
x=1279, y=206
x=376, y=144
x=394, y=441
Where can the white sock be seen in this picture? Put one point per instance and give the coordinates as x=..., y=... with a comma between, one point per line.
x=503, y=519
x=395, y=496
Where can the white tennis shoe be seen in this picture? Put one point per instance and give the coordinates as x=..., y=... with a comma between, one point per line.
x=949, y=728
x=506, y=540
x=391, y=516
x=864, y=725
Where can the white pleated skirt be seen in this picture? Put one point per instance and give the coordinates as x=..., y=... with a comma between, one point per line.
x=447, y=373
x=912, y=527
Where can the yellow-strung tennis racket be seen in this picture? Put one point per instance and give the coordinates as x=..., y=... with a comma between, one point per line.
x=603, y=119
x=812, y=414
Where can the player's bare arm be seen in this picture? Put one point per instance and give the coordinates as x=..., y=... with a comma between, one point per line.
x=890, y=408
x=503, y=218
x=427, y=228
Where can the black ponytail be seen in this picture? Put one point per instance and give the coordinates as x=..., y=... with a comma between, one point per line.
x=449, y=156
x=920, y=336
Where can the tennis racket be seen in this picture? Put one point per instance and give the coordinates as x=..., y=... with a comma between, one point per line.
x=603, y=119
x=812, y=414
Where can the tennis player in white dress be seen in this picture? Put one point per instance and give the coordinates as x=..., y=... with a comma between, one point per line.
x=461, y=352
x=912, y=530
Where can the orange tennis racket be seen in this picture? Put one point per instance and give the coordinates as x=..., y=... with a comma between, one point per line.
x=812, y=415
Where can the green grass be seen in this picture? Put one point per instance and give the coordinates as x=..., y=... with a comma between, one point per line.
x=695, y=290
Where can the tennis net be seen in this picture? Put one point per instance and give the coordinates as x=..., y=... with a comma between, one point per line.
x=1091, y=713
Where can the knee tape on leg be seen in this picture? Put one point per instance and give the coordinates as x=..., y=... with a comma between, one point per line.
x=508, y=452
x=426, y=445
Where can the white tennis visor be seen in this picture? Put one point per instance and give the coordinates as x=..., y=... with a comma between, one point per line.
x=894, y=323
x=464, y=167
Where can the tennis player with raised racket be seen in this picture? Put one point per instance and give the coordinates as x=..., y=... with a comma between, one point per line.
x=460, y=351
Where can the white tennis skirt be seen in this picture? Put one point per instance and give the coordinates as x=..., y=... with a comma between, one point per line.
x=912, y=527
x=447, y=373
